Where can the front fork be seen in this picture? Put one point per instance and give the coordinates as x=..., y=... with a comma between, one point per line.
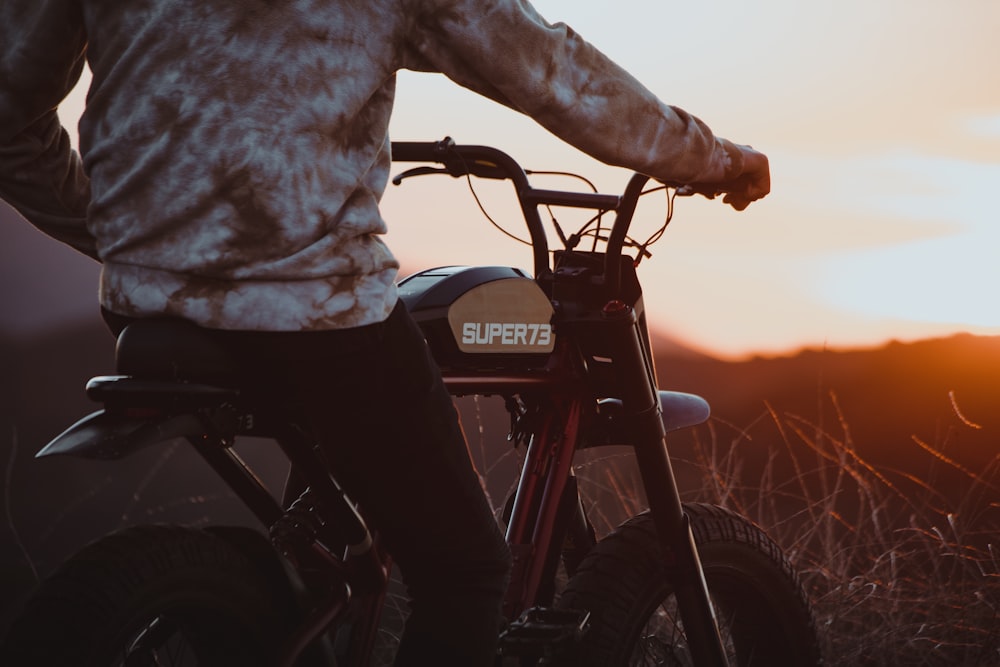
x=536, y=514
x=641, y=407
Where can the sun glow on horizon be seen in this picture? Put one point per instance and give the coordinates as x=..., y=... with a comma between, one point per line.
x=885, y=152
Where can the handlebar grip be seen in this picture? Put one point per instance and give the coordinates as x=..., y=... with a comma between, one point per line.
x=416, y=151
x=481, y=161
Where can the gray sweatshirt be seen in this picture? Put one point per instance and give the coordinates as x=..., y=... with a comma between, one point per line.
x=234, y=152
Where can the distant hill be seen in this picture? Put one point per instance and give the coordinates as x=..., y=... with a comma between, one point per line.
x=932, y=389
x=885, y=395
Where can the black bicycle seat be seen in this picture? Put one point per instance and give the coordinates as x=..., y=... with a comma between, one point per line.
x=173, y=349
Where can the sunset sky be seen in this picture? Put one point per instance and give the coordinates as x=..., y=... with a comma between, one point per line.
x=882, y=122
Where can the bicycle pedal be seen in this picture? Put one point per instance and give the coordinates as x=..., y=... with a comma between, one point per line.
x=541, y=631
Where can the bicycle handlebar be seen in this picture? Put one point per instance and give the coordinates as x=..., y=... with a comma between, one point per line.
x=487, y=162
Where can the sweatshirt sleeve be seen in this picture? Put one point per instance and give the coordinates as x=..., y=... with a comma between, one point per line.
x=42, y=45
x=505, y=50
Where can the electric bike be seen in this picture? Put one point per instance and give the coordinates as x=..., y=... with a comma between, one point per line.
x=568, y=350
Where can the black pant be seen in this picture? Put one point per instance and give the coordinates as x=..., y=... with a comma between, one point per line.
x=375, y=399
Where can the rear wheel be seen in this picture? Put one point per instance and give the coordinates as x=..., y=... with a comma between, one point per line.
x=157, y=595
x=762, y=610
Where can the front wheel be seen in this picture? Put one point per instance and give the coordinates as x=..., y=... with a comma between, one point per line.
x=157, y=595
x=764, y=616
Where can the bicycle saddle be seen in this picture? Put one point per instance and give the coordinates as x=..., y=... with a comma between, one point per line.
x=173, y=349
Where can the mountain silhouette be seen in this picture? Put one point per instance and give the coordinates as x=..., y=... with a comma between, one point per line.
x=944, y=392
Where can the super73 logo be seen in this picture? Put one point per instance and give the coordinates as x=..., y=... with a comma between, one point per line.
x=506, y=333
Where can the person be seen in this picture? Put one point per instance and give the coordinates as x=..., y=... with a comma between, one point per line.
x=232, y=158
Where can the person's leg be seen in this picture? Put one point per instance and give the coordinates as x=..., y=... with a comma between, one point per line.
x=375, y=399
x=394, y=442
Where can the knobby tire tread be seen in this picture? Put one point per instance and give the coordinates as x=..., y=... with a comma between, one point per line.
x=623, y=577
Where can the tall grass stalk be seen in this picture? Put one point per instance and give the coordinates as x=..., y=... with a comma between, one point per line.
x=899, y=571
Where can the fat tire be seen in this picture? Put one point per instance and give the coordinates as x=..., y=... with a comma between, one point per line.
x=231, y=598
x=764, y=612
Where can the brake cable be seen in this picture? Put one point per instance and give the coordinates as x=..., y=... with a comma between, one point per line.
x=570, y=242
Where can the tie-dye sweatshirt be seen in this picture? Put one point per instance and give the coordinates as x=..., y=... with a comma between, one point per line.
x=233, y=152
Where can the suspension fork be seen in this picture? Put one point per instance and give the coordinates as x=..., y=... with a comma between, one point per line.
x=535, y=518
x=623, y=334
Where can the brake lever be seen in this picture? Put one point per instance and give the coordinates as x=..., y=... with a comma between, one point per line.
x=691, y=190
x=418, y=171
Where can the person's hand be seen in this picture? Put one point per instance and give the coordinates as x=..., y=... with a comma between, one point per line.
x=752, y=183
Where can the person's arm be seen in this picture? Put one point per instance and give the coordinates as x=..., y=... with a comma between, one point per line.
x=42, y=45
x=503, y=49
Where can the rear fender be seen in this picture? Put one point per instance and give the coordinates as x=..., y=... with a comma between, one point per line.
x=104, y=435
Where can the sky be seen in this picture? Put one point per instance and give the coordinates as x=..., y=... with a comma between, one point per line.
x=881, y=119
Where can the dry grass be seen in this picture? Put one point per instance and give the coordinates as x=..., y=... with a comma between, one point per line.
x=899, y=571
x=901, y=567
